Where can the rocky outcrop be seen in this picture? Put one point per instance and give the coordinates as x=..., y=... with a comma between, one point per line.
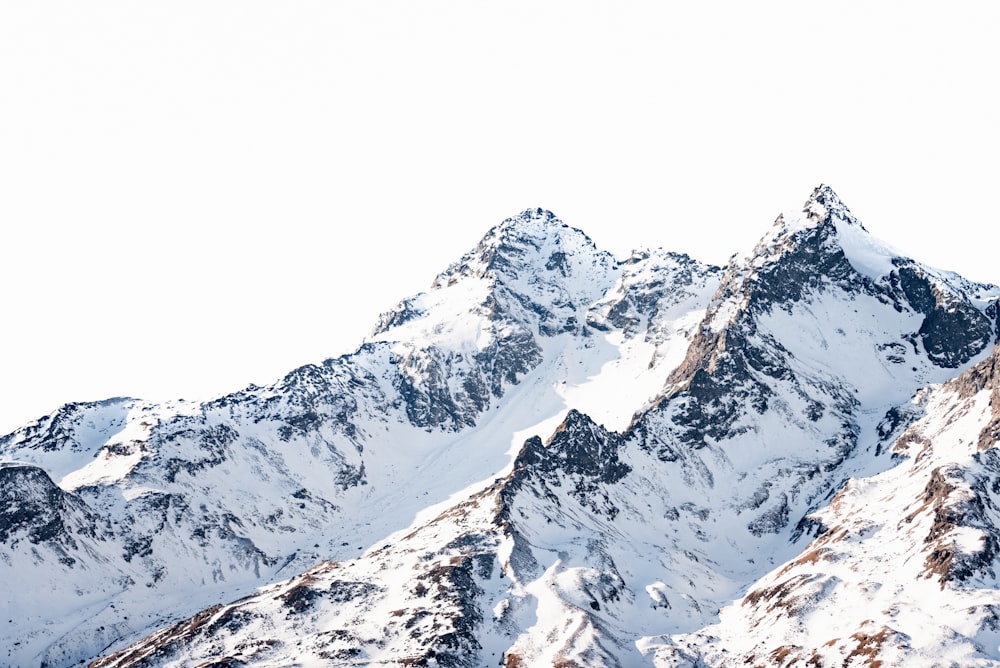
x=36, y=510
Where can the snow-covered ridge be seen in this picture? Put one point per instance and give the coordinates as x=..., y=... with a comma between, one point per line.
x=551, y=456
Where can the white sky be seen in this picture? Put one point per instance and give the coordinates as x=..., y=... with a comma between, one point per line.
x=199, y=195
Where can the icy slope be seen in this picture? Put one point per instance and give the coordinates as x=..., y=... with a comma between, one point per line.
x=601, y=547
x=168, y=509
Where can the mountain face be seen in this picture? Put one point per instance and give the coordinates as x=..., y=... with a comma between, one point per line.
x=551, y=457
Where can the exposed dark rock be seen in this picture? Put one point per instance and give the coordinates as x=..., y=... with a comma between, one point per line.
x=582, y=447
x=814, y=261
x=454, y=644
x=953, y=331
x=773, y=520
x=33, y=507
x=581, y=453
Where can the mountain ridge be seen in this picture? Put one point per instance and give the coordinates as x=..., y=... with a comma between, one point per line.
x=550, y=456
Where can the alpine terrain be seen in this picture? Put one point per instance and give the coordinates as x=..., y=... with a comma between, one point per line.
x=552, y=457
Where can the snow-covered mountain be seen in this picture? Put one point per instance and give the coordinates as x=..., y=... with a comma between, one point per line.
x=551, y=457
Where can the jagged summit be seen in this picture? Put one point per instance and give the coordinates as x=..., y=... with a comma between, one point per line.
x=532, y=214
x=516, y=246
x=531, y=264
x=805, y=269
x=824, y=205
x=822, y=208
x=822, y=228
x=528, y=221
x=821, y=246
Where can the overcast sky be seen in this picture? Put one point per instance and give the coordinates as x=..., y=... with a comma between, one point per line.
x=199, y=195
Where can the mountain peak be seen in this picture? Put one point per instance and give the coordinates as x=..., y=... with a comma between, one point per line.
x=824, y=205
x=824, y=232
x=533, y=226
x=536, y=213
x=522, y=246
